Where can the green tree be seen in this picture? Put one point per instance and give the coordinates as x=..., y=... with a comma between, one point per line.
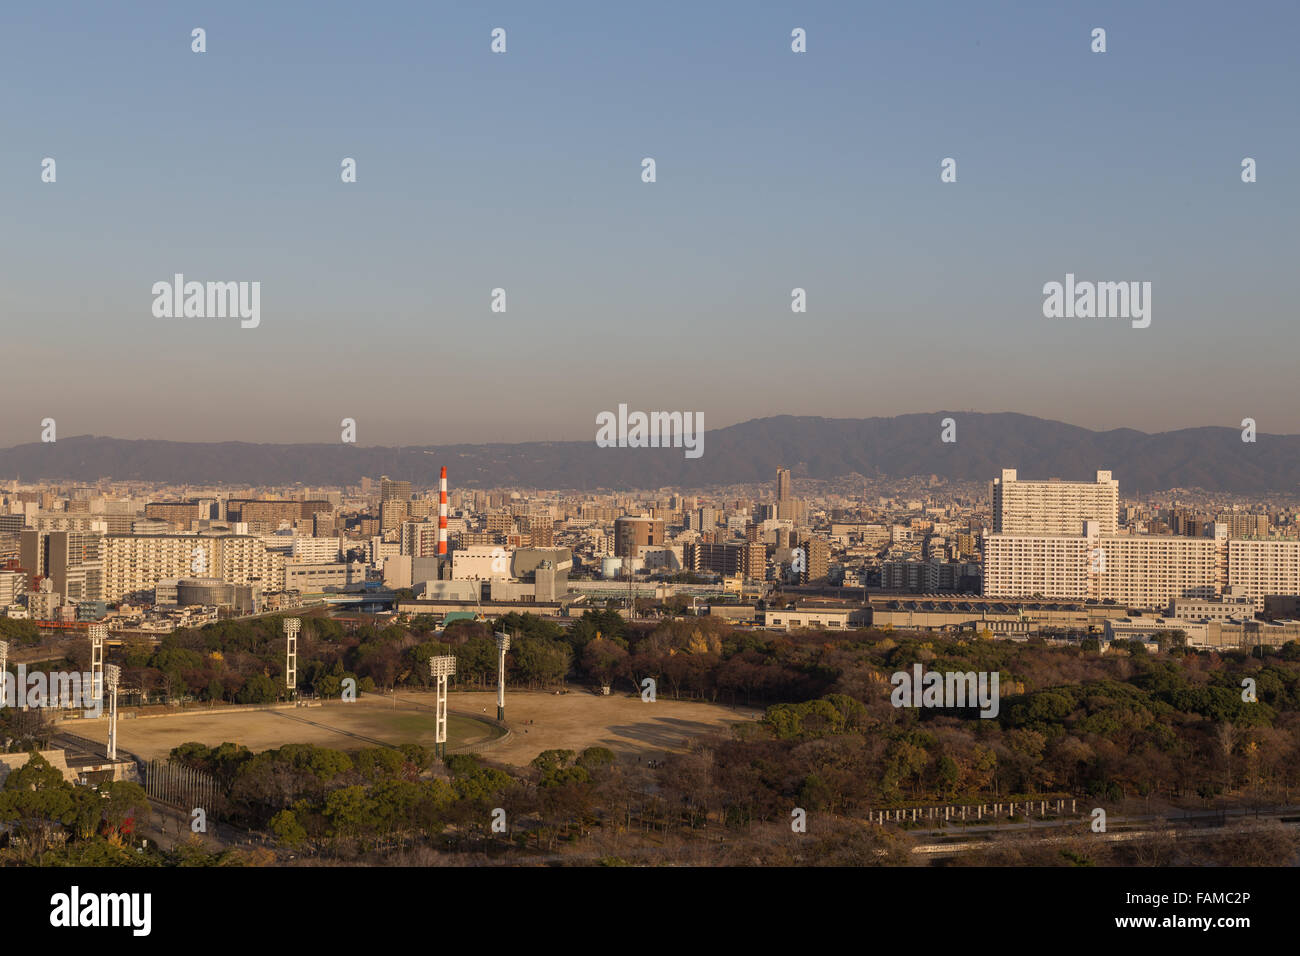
x=287, y=830
x=258, y=689
x=540, y=661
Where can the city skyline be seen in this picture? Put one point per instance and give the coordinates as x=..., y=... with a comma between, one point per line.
x=957, y=446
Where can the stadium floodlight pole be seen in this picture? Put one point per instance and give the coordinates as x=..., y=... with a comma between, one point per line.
x=291, y=628
x=503, y=645
x=441, y=668
x=4, y=664
x=112, y=677
x=98, y=634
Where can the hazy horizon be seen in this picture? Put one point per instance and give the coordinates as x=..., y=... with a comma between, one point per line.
x=587, y=438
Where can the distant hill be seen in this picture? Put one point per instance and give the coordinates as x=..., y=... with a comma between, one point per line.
x=1212, y=458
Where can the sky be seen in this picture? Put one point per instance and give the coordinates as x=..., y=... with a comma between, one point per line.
x=523, y=171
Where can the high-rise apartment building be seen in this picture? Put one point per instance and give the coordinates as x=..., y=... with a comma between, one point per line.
x=419, y=539
x=783, y=484
x=1137, y=571
x=499, y=522
x=393, y=490
x=392, y=512
x=70, y=560
x=1241, y=524
x=1054, y=507
x=726, y=559
x=817, y=560
x=633, y=534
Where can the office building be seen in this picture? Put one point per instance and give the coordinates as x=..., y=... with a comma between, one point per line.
x=783, y=485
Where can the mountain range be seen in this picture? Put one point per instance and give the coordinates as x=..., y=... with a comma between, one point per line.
x=1211, y=458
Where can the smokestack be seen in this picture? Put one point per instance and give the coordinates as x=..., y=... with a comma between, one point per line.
x=442, y=513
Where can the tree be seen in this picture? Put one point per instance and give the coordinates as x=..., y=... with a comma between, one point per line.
x=602, y=658
x=349, y=811
x=127, y=807
x=258, y=689
x=38, y=800
x=540, y=661
x=1225, y=736
x=947, y=776
x=287, y=830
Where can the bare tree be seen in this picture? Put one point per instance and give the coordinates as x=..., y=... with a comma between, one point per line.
x=1225, y=735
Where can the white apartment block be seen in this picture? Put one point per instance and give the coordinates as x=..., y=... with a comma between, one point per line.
x=1264, y=566
x=381, y=549
x=44, y=604
x=1141, y=571
x=1054, y=507
x=1149, y=571
x=13, y=584
x=136, y=563
x=1052, y=567
x=315, y=550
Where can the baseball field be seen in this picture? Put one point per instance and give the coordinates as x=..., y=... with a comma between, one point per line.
x=537, y=722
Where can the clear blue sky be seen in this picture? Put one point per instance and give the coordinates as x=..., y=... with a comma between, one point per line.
x=522, y=171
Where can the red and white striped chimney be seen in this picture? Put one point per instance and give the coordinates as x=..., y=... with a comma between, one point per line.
x=442, y=513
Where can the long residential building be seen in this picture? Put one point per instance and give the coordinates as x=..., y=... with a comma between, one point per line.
x=1139, y=571
x=134, y=564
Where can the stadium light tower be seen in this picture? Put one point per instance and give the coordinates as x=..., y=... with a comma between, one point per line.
x=4, y=663
x=441, y=668
x=98, y=634
x=291, y=628
x=112, y=677
x=503, y=645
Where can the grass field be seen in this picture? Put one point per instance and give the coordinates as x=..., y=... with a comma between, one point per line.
x=538, y=721
x=369, y=722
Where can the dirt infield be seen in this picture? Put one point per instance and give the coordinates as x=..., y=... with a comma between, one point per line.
x=579, y=719
x=572, y=721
